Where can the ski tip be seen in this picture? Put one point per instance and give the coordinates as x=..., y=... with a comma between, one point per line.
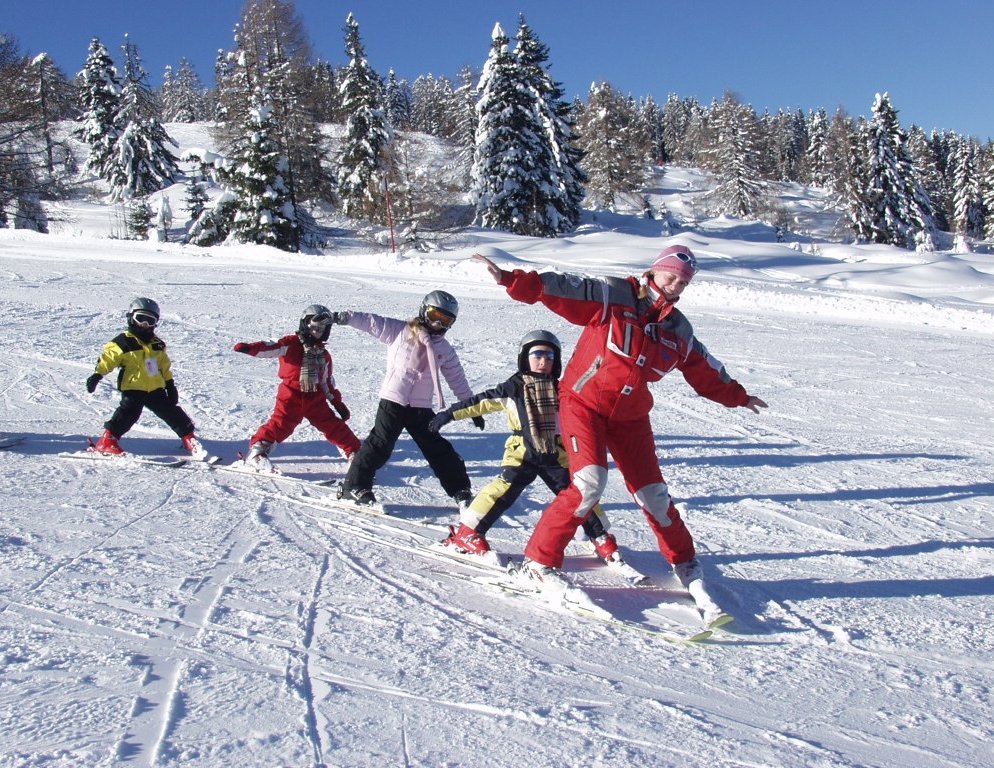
x=721, y=620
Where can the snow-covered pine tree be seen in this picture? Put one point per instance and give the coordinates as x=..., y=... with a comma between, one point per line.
x=932, y=178
x=183, y=96
x=462, y=108
x=968, y=212
x=817, y=161
x=612, y=162
x=430, y=97
x=398, y=102
x=100, y=95
x=899, y=208
x=139, y=163
x=262, y=211
x=195, y=198
x=505, y=137
x=362, y=154
x=734, y=158
x=560, y=180
x=987, y=189
x=139, y=217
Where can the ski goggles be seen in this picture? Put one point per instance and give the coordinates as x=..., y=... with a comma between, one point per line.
x=438, y=318
x=543, y=354
x=319, y=322
x=144, y=319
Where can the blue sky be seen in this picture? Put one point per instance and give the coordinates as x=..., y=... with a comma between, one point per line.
x=935, y=59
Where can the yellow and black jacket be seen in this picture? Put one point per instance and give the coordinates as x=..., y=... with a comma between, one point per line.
x=144, y=365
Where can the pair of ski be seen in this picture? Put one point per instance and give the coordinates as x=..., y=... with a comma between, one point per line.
x=503, y=575
x=133, y=459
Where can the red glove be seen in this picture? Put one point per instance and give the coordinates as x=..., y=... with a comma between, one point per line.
x=241, y=346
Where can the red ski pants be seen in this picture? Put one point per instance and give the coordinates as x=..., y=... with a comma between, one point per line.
x=588, y=436
x=293, y=406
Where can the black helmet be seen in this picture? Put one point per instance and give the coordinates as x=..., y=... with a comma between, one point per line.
x=143, y=315
x=439, y=310
x=316, y=316
x=536, y=339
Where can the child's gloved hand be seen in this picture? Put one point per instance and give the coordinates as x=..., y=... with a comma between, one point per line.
x=439, y=420
x=171, y=392
x=479, y=423
x=241, y=346
x=92, y=381
x=340, y=318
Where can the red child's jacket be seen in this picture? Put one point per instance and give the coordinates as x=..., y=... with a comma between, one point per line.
x=625, y=344
x=290, y=350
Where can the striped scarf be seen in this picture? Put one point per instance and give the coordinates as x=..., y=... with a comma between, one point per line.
x=542, y=411
x=311, y=369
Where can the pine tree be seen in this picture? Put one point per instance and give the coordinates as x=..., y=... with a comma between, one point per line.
x=505, y=132
x=968, y=214
x=398, y=102
x=272, y=52
x=139, y=218
x=183, y=97
x=195, y=198
x=362, y=156
x=899, y=207
x=817, y=161
x=734, y=159
x=560, y=179
x=526, y=177
x=139, y=163
x=262, y=211
x=612, y=161
x=100, y=95
x=987, y=189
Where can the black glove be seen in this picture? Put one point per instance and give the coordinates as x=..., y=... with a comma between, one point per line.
x=338, y=405
x=171, y=393
x=439, y=420
x=92, y=381
x=241, y=346
x=479, y=423
x=340, y=318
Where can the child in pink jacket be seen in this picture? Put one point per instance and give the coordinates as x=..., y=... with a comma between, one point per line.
x=418, y=358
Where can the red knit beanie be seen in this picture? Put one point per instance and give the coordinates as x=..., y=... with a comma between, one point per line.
x=677, y=259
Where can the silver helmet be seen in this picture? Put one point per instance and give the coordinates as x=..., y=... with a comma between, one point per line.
x=535, y=339
x=438, y=312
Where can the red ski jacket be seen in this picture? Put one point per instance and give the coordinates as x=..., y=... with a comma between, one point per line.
x=625, y=343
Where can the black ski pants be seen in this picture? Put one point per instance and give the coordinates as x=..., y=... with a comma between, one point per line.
x=392, y=419
x=133, y=402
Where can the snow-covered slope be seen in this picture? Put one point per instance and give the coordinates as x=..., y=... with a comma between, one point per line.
x=184, y=617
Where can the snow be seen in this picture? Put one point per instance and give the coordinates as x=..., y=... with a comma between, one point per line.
x=186, y=617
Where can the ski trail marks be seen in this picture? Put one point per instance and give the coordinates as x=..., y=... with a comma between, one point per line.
x=159, y=703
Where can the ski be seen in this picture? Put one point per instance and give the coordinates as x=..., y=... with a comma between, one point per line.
x=622, y=567
x=577, y=602
x=10, y=442
x=125, y=459
x=239, y=467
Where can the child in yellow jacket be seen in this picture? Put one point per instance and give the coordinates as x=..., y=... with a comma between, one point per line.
x=145, y=380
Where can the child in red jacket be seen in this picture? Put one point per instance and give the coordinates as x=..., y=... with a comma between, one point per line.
x=307, y=389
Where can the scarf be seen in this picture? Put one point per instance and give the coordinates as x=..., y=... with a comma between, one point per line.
x=311, y=369
x=542, y=410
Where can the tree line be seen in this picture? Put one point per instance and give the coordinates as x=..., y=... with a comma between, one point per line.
x=293, y=132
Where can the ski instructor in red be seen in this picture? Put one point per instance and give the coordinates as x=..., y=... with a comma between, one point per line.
x=633, y=335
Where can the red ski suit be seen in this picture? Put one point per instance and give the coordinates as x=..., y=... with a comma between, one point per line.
x=605, y=401
x=293, y=405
